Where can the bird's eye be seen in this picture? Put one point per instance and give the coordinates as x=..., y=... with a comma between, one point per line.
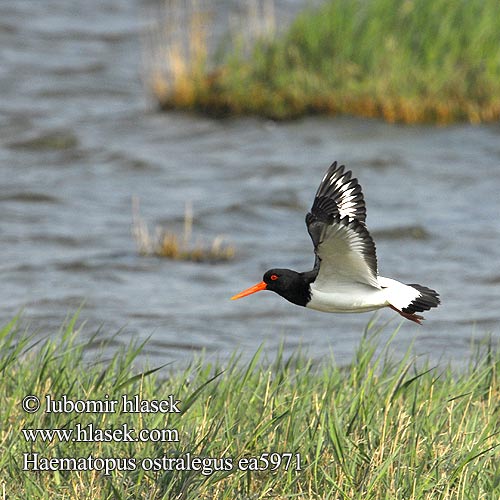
x=274, y=277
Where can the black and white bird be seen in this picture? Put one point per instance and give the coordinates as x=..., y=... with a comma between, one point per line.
x=345, y=277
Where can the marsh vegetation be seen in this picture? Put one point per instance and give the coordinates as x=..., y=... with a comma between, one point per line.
x=380, y=428
x=412, y=61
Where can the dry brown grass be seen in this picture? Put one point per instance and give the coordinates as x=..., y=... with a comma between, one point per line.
x=165, y=243
x=180, y=71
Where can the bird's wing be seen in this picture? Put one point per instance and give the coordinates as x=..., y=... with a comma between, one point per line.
x=345, y=251
x=344, y=193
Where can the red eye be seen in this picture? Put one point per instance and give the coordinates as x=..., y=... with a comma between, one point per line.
x=274, y=277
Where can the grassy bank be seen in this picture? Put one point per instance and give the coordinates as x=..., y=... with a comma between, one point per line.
x=405, y=61
x=379, y=429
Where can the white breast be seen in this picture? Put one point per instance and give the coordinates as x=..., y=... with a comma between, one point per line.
x=352, y=298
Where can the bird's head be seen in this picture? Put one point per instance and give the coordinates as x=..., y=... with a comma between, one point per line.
x=291, y=285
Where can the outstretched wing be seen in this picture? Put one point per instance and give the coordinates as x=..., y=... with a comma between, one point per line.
x=345, y=251
x=339, y=188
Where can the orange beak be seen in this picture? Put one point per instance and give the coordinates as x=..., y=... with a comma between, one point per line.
x=256, y=288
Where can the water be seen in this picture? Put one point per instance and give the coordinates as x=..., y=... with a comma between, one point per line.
x=79, y=138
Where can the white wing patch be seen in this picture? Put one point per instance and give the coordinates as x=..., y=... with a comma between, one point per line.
x=347, y=256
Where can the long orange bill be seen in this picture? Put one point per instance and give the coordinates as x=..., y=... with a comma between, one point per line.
x=256, y=288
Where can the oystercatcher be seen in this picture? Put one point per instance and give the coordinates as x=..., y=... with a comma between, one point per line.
x=344, y=278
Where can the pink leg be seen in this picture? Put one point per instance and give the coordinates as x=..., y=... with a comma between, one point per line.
x=412, y=317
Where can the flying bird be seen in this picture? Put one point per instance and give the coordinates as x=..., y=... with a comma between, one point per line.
x=345, y=277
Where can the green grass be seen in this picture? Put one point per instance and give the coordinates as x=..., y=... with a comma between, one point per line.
x=378, y=429
x=406, y=61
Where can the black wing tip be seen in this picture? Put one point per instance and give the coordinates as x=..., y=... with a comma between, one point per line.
x=324, y=209
x=428, y=299
x=336, y=167
x=339, y=185
x=338, y=171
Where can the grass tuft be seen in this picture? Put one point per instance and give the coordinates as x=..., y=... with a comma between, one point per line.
x=167, y=244
x=379, y=429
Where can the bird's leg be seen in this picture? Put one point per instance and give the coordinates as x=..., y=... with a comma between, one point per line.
x=412, y=317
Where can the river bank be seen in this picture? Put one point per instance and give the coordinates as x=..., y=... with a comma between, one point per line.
x=279, y=426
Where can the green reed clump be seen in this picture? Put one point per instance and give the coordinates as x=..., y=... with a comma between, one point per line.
x=406, y=61
x=377, y=429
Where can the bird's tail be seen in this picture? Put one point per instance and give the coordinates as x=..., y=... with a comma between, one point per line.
x=410, y=299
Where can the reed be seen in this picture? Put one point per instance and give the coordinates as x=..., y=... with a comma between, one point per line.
x=184, y=59
x=380, y=428
x=166, y=243
x=409, y=61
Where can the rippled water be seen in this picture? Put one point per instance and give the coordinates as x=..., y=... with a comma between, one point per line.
x=78, y=139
